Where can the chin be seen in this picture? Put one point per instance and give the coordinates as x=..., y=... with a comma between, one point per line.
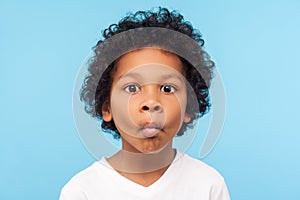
x=151, y=151
x=152, y=147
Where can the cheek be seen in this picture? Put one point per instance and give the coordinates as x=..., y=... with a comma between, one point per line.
x=133, y=106
x=180, y=102
x=120, y=109
x=125, y=114
x=119, y=103
x=175, y=109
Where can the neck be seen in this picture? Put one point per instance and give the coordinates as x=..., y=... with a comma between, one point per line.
x=130, y=162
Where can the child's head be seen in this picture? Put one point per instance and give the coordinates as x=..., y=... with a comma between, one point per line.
x=108, y=101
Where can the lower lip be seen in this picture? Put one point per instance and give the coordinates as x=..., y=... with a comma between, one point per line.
x=150, y=132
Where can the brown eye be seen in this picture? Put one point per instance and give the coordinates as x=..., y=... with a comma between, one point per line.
x=132, y=88
x=168, y=89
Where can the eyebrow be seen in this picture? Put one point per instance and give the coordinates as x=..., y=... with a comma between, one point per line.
x=164, y=77
x=173, y=75
x=130, y=75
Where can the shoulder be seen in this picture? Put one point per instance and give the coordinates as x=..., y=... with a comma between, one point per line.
x=197, y=169
x=200, y=178
x=81, y=177
x=85, y=180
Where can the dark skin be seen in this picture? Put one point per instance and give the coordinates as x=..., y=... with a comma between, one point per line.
x=146, y=178
x=173, y=103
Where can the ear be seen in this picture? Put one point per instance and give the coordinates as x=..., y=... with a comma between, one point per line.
x=187, y=118
x=106, y=112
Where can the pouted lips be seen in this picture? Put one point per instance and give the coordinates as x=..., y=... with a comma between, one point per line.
x=150, y=130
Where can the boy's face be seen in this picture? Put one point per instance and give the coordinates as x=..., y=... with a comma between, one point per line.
x=148, y=99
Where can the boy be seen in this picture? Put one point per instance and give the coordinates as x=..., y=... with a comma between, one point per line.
x=154, y=84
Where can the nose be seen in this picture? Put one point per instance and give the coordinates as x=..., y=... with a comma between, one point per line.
x=151, y=106
x=151, y=97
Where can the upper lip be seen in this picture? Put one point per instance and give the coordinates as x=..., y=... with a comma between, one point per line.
x=151, y=125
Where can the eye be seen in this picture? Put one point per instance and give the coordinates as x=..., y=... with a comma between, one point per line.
x=132, y=88
x=168, y=89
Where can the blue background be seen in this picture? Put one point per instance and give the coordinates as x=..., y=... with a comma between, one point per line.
x=255, y=44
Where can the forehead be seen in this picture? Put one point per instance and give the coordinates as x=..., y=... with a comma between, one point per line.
x=145, y=56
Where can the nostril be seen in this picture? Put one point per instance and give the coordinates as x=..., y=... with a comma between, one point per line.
x=156, y=108
x=145, y=108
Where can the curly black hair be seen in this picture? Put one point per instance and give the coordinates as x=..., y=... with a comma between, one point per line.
x=95, y=92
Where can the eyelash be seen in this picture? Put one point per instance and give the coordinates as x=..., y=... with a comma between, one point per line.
x=137, y=88
x=127, y=88
x=172, y=87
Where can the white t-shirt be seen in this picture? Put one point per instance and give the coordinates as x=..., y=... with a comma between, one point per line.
x=185, y=179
